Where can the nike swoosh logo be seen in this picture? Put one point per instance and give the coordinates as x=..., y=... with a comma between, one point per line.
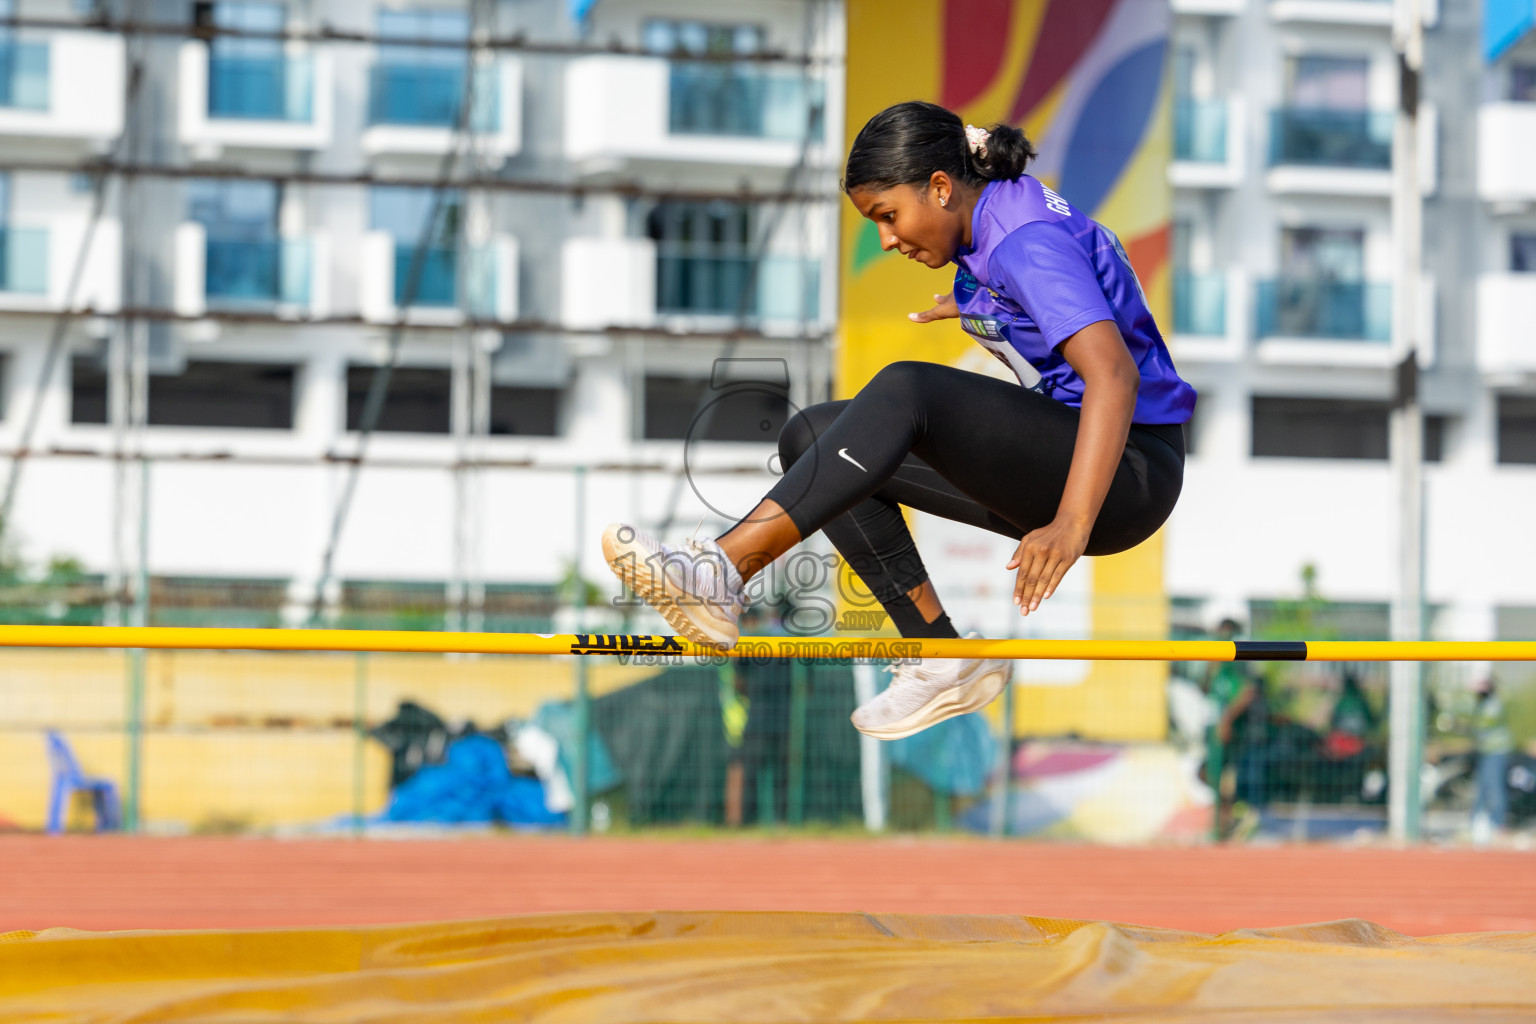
x=844, y=453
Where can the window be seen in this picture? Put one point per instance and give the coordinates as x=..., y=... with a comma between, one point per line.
x=1332, y=428
x=1185, y=58
x=703, y=257
x=243, y=257
x=233, y=209
x=248, y=395
x=249, y=75
x=1517, y=430
x=87, y=390
x=1328, y=83
x=1522, y=252
x=674, y=405
x=253, y=396
x=406, y=214
x=1321, y=291
x=1522, y=83
x=244, y=16
x=1329, y=254
x=403, y=211
x=419, y=400
x=673, y=37
x=527, y=412
x=419, y=85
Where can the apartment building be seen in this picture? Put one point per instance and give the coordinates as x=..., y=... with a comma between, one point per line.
x=1284, y=311
x=614, y=254
x=572, y=234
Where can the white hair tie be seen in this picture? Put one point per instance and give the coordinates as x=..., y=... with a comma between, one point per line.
x=977, y=138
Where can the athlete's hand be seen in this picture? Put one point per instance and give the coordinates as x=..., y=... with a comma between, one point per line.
x=1043, y=558
x=944, y=308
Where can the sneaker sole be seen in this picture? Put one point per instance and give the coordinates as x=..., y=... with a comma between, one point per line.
x=956, y=701
x=625, y=558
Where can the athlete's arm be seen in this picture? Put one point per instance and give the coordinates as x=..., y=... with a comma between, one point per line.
x=1110, y=380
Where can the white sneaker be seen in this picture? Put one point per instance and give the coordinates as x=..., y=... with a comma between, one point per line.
x=697, y=589
x=924, y=693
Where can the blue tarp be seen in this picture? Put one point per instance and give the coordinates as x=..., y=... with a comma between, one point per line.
x=1505, y=23
x=956, y=756
x=473, y=784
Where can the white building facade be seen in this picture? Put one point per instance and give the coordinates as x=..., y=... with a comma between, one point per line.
x=550, y=245
x=1285, y=255
x=616, y=261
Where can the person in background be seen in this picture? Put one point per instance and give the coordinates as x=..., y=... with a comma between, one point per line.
x=1493, y=742
x=1236, y=739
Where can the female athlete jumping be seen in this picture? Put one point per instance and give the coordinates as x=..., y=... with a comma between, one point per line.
x=1084, y=455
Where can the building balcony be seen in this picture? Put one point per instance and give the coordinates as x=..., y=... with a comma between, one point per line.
x=1343, y=152
x=280, y=102
x=414, y=109
x=1506, y=341
x=1336, y=323
x=1209, y=315
x=1207, y=143
x=62, y=85
x=622, y=111
x=1331, y=310
x=1506, y=152
x=627, y=268
x=286, y=275
x=1199, y=304
x=37, y=263
x=1333, y=12
x=449, y=286
x=1359, y=139
x=690, y=283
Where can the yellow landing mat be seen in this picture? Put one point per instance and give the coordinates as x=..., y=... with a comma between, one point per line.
x=768, y=967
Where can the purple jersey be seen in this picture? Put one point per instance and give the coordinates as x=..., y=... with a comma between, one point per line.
x=1036, y=273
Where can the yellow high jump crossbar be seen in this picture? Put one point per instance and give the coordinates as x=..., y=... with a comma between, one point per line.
x=646, y=645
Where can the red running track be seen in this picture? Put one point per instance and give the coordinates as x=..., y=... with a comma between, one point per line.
x=114, y=882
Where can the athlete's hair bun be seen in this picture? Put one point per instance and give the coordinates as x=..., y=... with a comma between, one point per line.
x=905, y=144
x=1007, y=152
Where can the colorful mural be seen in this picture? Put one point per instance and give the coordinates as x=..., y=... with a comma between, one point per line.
x=1086, y=79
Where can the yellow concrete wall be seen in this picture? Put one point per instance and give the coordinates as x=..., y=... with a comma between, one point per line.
x=249, y=738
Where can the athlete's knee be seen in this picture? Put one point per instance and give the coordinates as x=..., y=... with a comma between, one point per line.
x=795, y=439
x=901, y=381
x=800, y=433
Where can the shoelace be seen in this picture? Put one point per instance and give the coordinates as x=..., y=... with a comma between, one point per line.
x=699, y=546
x=907, y=672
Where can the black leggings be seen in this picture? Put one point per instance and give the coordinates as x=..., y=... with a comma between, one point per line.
x=963, y=446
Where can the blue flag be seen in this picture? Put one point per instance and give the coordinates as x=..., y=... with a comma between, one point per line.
x=1505, y=23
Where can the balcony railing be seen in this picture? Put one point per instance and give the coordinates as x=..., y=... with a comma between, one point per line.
x=275, y=270
x=774, y=287
x=428, y=96
x=437, y=283
x=1200, y=131
x=1335, y=310
x=1199, y=304
x=1331, y=138
x=24, y=260
x=706, y=100
x=261, y=88
x=24, y=75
